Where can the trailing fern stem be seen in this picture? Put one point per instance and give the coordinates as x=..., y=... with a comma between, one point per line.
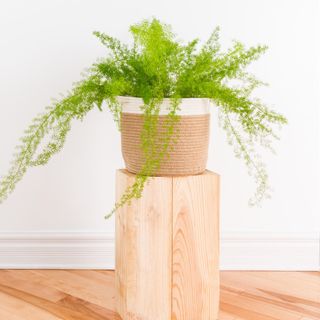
x=154, y=67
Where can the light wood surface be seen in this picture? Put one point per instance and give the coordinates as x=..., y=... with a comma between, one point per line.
x=168, y=248
x=195, y=274
x=90, y=295
x=143, y=251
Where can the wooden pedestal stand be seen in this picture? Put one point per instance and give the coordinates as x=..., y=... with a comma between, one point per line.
x=167, y=249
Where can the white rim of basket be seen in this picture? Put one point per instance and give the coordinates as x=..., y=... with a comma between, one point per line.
x=187, y=106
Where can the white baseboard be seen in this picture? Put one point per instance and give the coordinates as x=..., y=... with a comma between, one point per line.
x=271, y=251
x=239, y=251
x=65, y=250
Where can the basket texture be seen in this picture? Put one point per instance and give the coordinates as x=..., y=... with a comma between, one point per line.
x=190, y=150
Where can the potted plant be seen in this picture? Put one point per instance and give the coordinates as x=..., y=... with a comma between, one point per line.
x=160, y=91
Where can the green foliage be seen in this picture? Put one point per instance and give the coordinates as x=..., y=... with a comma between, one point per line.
x=154, y=67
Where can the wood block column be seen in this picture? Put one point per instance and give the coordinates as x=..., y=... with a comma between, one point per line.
x=167, y=249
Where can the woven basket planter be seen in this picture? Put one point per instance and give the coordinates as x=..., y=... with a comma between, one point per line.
x=189, y=153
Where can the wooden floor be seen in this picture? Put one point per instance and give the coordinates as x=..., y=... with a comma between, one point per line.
x=88, y=294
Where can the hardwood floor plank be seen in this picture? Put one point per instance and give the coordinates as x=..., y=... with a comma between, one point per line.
x=105, y=277
x=259, y=306
x=225, y=316
x=87, y=309
x=68, y=308
x=262, y=282
x=4, y=314
x=244, y=313
x=20, y=309
x=303, y=306
x=27, y=281
x=78, y=286
x=89, y=295
x=278, y=289
x=296, y=282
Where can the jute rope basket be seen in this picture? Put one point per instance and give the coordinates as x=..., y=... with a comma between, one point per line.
x=190, y=151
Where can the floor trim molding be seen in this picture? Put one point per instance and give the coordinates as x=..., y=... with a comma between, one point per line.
x=82, y=250
x=270, y=251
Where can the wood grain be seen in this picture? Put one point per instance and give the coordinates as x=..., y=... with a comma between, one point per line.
x=144, y=251
x=195, y=283
x=52, y=294
x=167, y=249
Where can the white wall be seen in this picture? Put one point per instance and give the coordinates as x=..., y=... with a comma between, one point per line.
x=46, y=44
